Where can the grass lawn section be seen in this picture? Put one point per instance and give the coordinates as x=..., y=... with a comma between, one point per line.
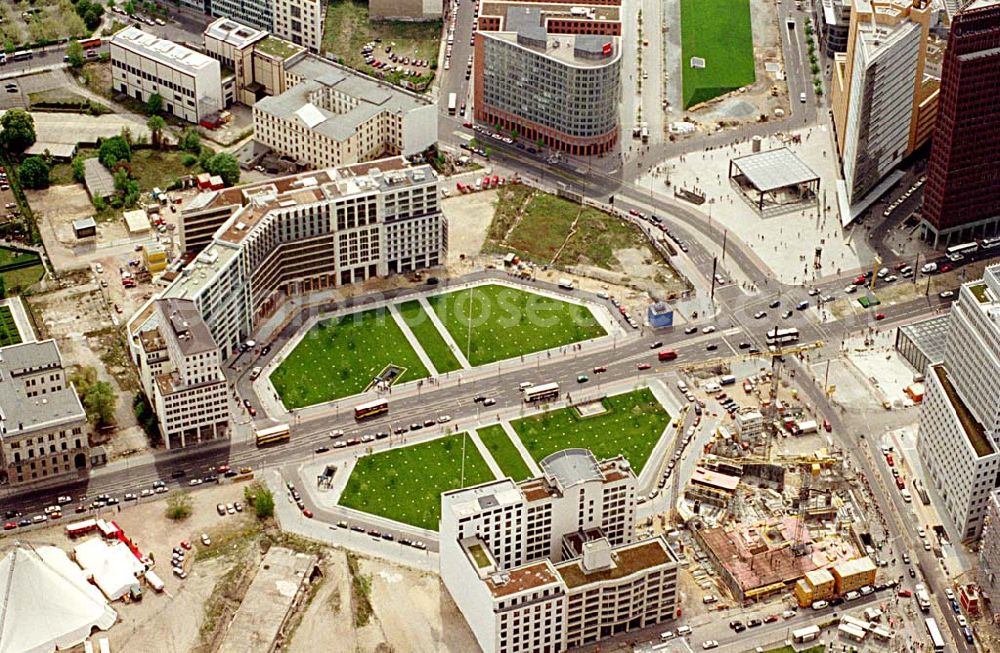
x=507, y=323
x=348, y=29
x=504, y=452
x=22, y=278
x=719, y=32
x=8, y=328
x=429, y=337
x=340, y=357
x=405, y=484
x=543, y=227
x=150, y=168
x=631, y=426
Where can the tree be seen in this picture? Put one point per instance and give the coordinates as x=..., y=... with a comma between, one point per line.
x=179, y=506
x=154, y=105
x=112, y=150
x=126, y=187
x=33, y=172
x=98, y=396
x=156, y=125
x=18, y=131
x=3, y=288
x=79, y=172
x=190, y=141
x=260, y=497
x=74, y=54
x=226, y=166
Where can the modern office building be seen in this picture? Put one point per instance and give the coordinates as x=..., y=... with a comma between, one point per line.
x=988, y=575
x=834, y=20
x=179, y=367
x=959, y=440
x=315, y=230
x=551, y=562
x=330, y=115
x=44, y=431
x=883, y=102
x=299, y=21
x=551, y=73
x=254, y=13
x=962, y=193
x=189, y=82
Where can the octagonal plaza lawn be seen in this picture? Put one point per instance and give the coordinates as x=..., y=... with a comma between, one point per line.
x=341, y=356
x=631, y=425
x=405, y=484
x=507, y=322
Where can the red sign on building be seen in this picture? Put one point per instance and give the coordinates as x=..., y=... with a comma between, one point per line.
x=606, y=50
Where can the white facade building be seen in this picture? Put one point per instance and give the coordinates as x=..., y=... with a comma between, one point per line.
x=179, y=367
x=189, y=82
x=551, y=562
x=299, y=21
x=988, y=576
x=307, y=232
x=330, y=116
x=960, y=414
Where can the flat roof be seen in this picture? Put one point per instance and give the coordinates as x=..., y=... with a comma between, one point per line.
x=137, y=221
x=774, y=169
x=929, y=336
x=974, y=431
x=97, y=178
x=161, y=50
x=572, y=466
x=628, y=559
x=234, y=33
x=856, y=566
x=487, y=496
x=200, y=272
x=521, y=579
x=280, y=48
x=715, y=479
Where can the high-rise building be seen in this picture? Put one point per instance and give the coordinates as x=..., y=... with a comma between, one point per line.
x=551, y=73
x=962, y=193
x=552, y=562
x=959, y=441
x=883, y=102
x=298, y=21
x=988, y=576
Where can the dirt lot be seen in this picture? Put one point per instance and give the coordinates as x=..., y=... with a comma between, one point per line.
x=76, y=315
x=469, y=218
x=56, y=208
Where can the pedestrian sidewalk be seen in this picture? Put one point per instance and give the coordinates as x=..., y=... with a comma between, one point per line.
x=412, y=339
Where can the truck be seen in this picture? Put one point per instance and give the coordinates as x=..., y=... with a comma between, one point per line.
x=566, y=284
x=807, y=426
x=923, y=599
x=728, y=379
x=452, y=103
x=154, y=581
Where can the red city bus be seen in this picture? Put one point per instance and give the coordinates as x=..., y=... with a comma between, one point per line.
x=371, y=409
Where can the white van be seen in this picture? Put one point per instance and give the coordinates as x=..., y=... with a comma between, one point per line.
x=524, y=385
x=683, y=630
x=711, y=388
x=802, y=98
x=682, y=387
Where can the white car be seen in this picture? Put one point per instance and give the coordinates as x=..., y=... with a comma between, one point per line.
x=851, y=288
x=667, y=634
x=961, y=620
x=708, y=329
x=927, y=545
x=819, y=605
x=947, y=294
x=949, y=594
x=921, y=532
x=890, y=278
x=711, y=643
x=206, y=540
x=444, y=419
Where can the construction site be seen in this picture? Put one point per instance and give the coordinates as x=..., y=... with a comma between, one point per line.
x=771, y=505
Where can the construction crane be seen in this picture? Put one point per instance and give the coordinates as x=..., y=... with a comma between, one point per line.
x=777, y=354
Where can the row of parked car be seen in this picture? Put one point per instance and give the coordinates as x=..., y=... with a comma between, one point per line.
x=389, y=537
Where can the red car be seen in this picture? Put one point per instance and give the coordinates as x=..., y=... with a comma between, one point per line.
x=945, y=268
x=643, y=366
x=880, y=316
x=308, y=513
x=185, y=545
x=827, y=426
x=859, y=280
x=253, y=411
x=598, y=370
x=904, y=594
x=770, y=619
x=222, y=469
x=9, y=526
x=467, y=124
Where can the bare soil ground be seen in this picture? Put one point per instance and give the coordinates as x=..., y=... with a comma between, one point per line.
x=469, y=218
x=55, y=209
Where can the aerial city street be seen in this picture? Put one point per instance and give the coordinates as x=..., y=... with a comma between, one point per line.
x=501, y=326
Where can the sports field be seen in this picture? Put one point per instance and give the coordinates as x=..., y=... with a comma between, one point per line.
x=405, y=484
x=339, y=357
x=430, y=339
x=8, y=328
x=631, y=426
x=719, y=32
x=504, y=452
x=507, y=323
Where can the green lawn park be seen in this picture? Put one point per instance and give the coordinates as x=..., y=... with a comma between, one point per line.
x=405, y=484
x=8, y=328
x=507, y=322
x=504, y=452
x=429, y=337
x=719, y=32
x=631, y=426
x=339, y=357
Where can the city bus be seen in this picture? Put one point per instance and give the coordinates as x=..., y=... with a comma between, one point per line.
x=371, y=409
x=937, y=641
x=22, y=55
x=88, y=44
x=807, y=634
x=958, y=252
x=542, y=392
x=778, y=336
x=273, y=435
x=452, y=102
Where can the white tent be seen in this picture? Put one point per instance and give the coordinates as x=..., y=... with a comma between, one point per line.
x=46, y=602
x=113, y=568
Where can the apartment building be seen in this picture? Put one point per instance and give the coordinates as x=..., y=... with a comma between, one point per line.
x=179, y=366
x=189, y=82
x=551, y=562
x=299, y=21
x=960, y=413
x=883, y=102
x=44, y=433
x=315, y=230
x=551, y=73
x=331, y=116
